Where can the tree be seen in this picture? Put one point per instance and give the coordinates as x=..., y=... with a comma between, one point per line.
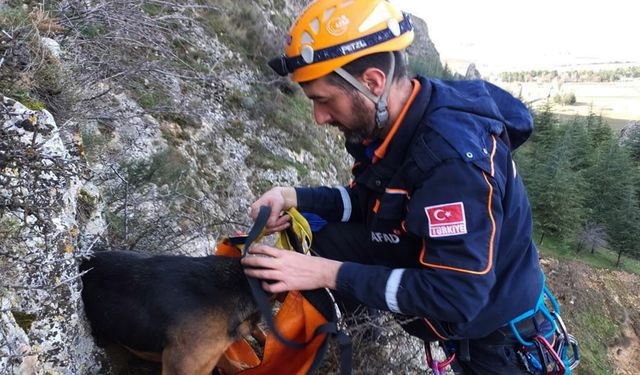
x=599, y=130
x=625, y=225
x=592, y=236
x=555, y=188
x=612, y=197
x=580, y=154
x=632, y=141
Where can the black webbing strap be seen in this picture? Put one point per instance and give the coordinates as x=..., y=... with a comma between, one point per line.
x=264, y=306
x=256, y=289
x=330, y=328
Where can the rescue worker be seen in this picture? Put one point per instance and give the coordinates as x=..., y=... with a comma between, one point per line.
x=436, y=223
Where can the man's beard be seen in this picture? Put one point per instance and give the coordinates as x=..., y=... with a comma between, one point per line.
x=362, y=126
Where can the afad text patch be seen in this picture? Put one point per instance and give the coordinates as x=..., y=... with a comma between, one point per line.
x=446, y=220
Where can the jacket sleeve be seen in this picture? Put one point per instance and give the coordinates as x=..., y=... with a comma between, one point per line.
x=457, y=213
x=333, y=204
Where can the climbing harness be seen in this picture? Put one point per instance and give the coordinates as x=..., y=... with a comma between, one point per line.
x=553, y=352
x=560, y=356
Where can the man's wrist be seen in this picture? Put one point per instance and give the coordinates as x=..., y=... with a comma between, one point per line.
x=331, y=280
x=290, y=197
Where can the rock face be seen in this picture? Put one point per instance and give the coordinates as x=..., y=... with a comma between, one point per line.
x=472, y=72
x=42, y=328
x=630, y=131
x=422, y=47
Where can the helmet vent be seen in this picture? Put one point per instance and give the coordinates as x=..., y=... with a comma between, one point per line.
x=328, y=13
x=379, y=14
x=306, y=38
x=315, y=25
x=346, y=3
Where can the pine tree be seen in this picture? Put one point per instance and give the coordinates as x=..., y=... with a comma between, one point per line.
x=581, y=155
x=632, y=143
x=598, y=129
x=625, y=226
x=612, y=197
x=559, y=206
x=555, y=186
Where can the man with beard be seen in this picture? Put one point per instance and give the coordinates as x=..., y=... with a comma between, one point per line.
x=436, y=223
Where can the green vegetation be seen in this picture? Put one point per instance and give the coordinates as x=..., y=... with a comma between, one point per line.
x=28, y=101
x=596, y=333
x=261, y=157
x=189, y=55
x=29, y=72
x=602, y=258
x=11, y=17
x=165, y=167
x=242, y=26
x=572, y=76
x=150, y=95
x=152, y=9
x=24, y=320
x=432, y=69
x=565, y=99
x=583, y=186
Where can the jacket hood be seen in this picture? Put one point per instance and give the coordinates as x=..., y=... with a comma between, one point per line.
x=481, y=103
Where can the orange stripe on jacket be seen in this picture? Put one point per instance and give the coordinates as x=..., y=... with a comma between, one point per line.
x=376, y=206
x=491, y=238
x=381, y=151
x=396, y=191
x=440, y=336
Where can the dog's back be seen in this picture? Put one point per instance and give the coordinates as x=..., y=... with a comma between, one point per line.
x=149, y=303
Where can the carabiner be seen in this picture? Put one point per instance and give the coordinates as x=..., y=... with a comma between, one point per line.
x=543, y=346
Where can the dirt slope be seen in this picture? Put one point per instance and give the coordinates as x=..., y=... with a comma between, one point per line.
x=602, y=309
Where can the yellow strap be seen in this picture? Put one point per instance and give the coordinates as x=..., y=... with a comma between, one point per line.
x=301, y=227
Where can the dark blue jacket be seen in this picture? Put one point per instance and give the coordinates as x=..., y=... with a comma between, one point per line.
x=448, y=181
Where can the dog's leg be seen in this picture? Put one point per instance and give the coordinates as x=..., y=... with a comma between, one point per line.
x=229, y=366
x=196, y=346
x=259, y=335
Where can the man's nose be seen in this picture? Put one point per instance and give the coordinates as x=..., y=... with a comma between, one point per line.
x=322, y=116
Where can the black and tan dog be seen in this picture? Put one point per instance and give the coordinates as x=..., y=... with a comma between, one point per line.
x=183, y=311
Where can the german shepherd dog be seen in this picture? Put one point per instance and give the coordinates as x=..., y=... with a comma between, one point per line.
x=183, y=311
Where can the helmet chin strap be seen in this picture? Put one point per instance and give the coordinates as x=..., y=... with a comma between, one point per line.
x=382, y=112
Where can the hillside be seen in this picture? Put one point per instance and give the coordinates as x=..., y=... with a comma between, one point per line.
x=602, y=308
x=152, y=125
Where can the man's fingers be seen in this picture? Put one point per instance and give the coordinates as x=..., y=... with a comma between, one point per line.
x=263, y=274
x=277, y=287
x=264, y=250
x=278, y=228
x=253, y=211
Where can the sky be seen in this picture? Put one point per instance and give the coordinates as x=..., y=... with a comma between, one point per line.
x=528, y=34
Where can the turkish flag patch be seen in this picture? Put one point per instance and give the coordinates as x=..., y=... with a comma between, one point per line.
x=446, y=220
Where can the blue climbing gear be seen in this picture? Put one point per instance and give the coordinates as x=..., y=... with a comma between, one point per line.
x=560, y=356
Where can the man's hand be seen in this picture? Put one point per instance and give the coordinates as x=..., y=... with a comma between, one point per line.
x=288, y=270
x=279, y=199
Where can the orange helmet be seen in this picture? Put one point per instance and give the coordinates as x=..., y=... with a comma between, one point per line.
x=332, y=33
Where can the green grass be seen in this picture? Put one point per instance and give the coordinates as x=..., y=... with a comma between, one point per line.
x=602, y=258
x=12, y=17
x=594, y=322
x=28, y=101
x=595, y=332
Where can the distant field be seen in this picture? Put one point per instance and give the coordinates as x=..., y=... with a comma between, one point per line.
x=618, y=102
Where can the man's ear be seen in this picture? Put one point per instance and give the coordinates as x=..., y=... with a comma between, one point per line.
x=374, y=79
